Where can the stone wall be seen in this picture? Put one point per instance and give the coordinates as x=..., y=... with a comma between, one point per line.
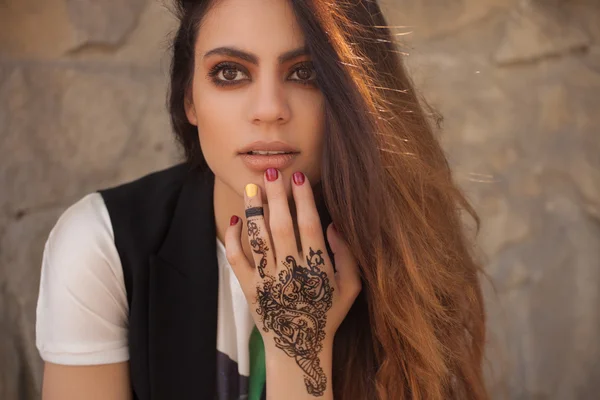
x=82, y=86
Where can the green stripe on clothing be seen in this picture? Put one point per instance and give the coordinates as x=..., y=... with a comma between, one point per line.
x=258, y=370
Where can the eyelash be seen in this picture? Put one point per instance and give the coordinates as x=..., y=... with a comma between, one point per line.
x=214, y=71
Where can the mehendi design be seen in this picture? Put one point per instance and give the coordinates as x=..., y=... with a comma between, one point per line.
x=294, y=307
x=258, y=246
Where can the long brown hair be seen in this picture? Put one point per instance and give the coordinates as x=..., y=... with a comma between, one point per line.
x=417, y=330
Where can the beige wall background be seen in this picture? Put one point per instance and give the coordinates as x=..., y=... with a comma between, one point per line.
x=82, y=94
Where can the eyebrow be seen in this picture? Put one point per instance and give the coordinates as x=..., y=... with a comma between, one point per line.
x=252, y=58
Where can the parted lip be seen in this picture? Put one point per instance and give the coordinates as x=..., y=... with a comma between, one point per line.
x=268, y=146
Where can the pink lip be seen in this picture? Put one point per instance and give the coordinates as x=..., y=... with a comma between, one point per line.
x=268, y=146
x=261, y=163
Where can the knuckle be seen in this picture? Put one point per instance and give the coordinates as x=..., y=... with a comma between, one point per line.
x=233, y=256
x=349, y=293
x=281, y=229
x=310, y=226
x=356, y=288
x=276, y=193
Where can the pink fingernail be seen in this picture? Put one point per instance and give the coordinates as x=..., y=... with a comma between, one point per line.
x=298, y=178
x=272, y=174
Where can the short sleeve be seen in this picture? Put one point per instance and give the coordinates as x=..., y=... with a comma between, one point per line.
x=81, y=316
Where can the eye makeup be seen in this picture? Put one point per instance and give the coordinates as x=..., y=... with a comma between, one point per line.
x=220, y=70
x=222, y=67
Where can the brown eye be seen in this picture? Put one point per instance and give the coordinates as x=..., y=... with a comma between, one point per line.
x=305, y=74
x=227, y=73
x=230, y=74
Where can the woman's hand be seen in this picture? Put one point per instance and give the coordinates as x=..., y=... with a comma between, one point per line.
x=296, y=300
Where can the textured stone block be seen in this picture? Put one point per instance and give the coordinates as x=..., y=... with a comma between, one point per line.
x=146, y=46
x=35, y=29
x=21, y=248
x=105, y=22
x=536, y=30
x=67, y=130
x=428, y=19
x=11, y=385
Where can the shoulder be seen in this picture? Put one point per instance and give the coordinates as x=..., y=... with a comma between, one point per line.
x=144, y=206
x=154, y=186
x=141, y=211
x=82, y=304
x=85, y=225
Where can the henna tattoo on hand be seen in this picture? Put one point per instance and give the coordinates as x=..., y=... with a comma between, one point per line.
x=294, y=307
x=258, y=246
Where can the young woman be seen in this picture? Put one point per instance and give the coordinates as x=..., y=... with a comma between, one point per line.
x=223, y=277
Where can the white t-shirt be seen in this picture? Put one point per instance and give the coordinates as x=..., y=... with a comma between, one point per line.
x=82, y=307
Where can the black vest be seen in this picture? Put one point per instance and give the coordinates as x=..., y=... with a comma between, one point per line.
x=165, y=235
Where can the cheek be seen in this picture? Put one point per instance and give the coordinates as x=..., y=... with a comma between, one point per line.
x=217, y=121
x=308, y=110
x=312, y=124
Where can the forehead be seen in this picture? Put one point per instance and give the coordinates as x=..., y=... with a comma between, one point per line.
x=264, y=27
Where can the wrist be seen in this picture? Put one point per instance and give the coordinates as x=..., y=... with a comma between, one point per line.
x=274, y=354
x=295, y=377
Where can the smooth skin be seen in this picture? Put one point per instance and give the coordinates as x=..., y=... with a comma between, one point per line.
x=93, y=382
x=285, y=379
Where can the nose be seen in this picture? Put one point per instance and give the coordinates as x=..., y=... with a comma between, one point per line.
x=269, y=102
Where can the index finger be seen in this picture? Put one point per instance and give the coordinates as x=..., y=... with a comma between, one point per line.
x=309, y=224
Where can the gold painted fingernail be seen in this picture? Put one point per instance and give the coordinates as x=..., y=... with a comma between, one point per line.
x=251, y=190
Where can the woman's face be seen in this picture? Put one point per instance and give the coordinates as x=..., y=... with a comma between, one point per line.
x=254, y=83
